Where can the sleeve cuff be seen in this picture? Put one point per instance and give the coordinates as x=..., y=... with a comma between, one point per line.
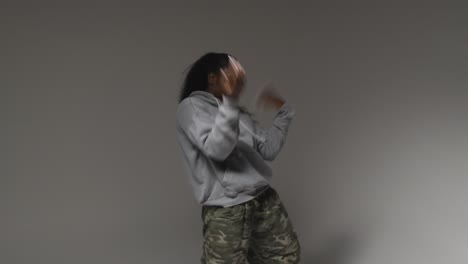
x=286, y=110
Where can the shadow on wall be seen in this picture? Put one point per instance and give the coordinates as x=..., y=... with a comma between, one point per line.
x=337, y=250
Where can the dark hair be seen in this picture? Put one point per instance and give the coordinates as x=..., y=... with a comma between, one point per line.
x=197, y=76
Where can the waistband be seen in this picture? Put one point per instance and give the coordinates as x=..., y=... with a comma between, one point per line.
x=261, y=194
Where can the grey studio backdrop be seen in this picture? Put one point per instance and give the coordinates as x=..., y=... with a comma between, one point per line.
x=374, y=170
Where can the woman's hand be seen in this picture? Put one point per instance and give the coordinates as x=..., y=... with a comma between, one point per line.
x=233, y=79
x=269, y=98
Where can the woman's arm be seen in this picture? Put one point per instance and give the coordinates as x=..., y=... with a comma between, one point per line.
x=275, y=136
x=215, y=139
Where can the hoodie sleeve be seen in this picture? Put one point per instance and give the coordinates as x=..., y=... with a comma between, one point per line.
x=274, y=137
x=215, y=139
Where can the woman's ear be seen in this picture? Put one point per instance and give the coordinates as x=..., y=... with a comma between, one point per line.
x=211, y=79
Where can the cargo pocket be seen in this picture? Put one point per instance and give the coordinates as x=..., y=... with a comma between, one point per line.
x=234, y=213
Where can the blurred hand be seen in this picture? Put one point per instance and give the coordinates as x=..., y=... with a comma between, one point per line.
x=269, y=98
x=233, y=79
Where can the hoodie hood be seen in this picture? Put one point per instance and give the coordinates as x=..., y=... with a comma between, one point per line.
x=206, y=96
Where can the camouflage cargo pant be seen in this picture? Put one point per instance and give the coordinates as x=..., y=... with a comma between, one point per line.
x=258, y=231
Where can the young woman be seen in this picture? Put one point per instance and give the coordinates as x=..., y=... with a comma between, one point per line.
x=225, y=153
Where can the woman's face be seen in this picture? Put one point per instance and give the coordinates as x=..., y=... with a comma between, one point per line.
x=230, y=80
x=234, y=69
x=233, y=75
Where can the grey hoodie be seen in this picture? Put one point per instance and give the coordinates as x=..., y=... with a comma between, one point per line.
x=225, y=152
